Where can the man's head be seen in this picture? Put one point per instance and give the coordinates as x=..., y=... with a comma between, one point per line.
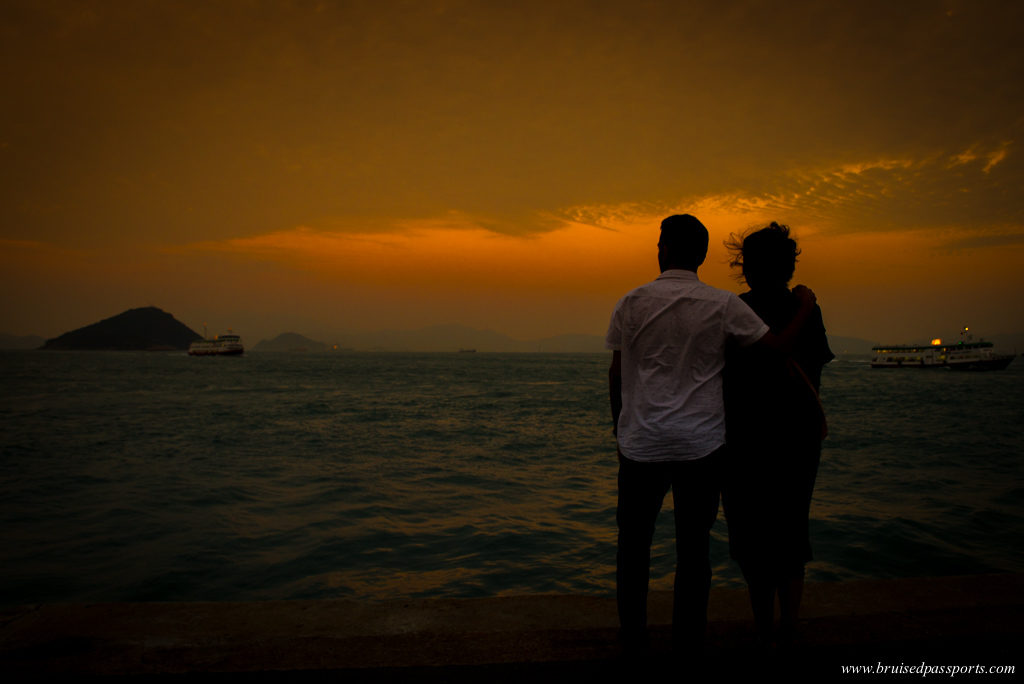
x=683, y=243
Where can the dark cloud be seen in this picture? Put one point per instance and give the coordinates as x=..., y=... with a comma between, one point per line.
x=983, y=242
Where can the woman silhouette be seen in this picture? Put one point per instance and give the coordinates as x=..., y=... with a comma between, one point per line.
x=775, y=425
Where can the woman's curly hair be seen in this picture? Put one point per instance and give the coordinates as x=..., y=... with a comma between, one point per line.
x=765, y=256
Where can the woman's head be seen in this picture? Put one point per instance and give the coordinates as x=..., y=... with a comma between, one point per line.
x=766, y=257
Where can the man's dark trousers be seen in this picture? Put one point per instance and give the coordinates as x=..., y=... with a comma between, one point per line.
x=642, y=487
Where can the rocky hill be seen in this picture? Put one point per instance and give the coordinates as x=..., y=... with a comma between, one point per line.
x=146, y=329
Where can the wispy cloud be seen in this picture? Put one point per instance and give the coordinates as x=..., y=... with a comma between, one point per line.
x=860, y=168
x=965, y=157
x=988, y=158
x=996, y=156
x=963, y=191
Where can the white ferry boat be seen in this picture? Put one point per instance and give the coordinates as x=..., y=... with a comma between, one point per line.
x=229, y=344
x=964, y=355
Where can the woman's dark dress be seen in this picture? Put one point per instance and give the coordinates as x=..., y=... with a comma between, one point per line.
x=775, y=427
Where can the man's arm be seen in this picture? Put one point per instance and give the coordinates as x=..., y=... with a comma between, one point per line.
x=784, y=341
x=615, y=389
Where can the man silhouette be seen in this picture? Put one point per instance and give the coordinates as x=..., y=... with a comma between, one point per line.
x=668, y=339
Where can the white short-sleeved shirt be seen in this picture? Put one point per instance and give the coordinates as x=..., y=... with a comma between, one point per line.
x=672, y=333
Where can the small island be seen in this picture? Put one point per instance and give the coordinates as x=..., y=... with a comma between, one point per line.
x=143, y=329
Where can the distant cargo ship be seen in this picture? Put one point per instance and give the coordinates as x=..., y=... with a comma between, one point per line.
x=964, y=355
x=229, y=344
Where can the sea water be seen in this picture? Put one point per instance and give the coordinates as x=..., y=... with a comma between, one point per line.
x=131, y=476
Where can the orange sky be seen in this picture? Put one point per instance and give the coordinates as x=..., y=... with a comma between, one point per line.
x=327, y=167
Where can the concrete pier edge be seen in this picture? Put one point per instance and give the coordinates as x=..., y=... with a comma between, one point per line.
x=972, y=619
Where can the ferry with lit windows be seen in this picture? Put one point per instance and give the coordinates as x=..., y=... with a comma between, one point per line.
x=964, y=355
x=228, y=344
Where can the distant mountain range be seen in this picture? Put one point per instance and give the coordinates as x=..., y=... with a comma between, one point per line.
x=21, y=341
x=437, y=338
x=849, y=345
x=150, y=328
x=448, y=338
x=290, y=342
x=143, y=329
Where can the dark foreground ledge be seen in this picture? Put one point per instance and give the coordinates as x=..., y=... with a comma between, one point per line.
x=970, y=620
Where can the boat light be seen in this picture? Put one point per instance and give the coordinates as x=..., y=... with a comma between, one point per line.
x=937, y=341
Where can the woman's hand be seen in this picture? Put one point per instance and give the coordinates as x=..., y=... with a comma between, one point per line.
x=805, y=295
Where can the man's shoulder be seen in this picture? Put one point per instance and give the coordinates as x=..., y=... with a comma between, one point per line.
x=645, y=290
x=662, y=288
x=709, y=294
